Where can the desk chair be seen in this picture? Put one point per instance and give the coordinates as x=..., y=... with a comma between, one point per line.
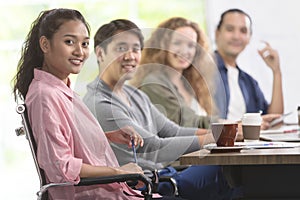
x=43, y=194
x=163, y=175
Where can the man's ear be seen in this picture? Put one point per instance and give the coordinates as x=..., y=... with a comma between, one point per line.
x=99, y=53
x=44, y=44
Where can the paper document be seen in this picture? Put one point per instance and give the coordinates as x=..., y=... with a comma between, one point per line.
x=286, y=133
x=267, y=145
x=284, y=137
x=282, y=129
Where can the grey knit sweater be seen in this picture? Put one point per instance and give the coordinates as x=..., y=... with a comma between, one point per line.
x=164, y=141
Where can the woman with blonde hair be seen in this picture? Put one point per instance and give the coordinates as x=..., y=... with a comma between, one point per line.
x=176, y=72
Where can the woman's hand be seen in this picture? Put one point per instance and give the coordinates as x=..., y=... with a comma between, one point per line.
x=132, y=168
x=124, y=136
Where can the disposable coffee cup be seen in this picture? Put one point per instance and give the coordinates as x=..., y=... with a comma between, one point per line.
x=251, y=123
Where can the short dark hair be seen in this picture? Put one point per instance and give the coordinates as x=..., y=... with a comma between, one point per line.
x=104, y=34
x=232, y=11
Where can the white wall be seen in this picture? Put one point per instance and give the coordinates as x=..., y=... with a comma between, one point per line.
x=278, y=23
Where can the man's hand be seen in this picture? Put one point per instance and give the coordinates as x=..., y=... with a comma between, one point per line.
x=271, y=57
x=267, y=119
x=124, y=136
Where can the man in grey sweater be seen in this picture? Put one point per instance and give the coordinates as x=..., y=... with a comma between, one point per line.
x=118, y=46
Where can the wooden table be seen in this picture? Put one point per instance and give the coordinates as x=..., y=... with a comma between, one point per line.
x=264, y=173
x=244, y=157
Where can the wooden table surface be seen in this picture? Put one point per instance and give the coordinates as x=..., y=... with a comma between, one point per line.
x=244, y=157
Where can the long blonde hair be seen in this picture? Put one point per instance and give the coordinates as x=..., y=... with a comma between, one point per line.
x=199, y=74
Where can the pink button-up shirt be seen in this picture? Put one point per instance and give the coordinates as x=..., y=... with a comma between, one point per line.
x=68, y=135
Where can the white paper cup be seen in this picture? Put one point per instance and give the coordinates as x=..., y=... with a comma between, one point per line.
x=251, y=123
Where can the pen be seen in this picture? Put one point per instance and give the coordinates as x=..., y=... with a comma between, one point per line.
x=259, y=144
x=133, y=150
x=291, y=131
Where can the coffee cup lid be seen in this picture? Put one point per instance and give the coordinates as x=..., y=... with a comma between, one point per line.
x=222, y=123
x=252, y=119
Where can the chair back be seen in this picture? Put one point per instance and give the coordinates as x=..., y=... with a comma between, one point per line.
x=27, y=131
x=43, y=194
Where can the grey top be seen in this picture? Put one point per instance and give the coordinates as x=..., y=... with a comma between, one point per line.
x=164, y=141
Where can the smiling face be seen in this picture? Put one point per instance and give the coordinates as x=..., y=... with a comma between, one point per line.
x=119, y=60
x=233, y=35
x=182, y=48
x=66, y=51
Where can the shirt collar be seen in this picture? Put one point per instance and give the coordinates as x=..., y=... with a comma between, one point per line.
x=220, y=62
x=50, y=79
